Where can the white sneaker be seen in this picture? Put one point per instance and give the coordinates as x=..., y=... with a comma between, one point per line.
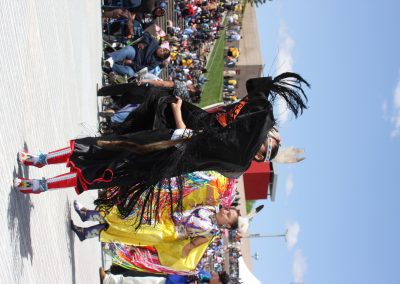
x=109, y=62
x=142, y=71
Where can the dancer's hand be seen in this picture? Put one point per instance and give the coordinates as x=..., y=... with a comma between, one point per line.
x=193, y=244
x=178, y=104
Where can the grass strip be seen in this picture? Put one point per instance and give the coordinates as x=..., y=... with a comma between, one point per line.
x=213, y=88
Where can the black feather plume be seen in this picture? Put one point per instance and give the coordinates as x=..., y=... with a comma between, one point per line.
x=288, y=86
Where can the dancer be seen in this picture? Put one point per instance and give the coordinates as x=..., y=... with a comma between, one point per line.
x=162, y=243
x=225, y=141
x=180, y=241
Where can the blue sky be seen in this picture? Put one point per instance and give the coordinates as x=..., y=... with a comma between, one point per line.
x=344, y=197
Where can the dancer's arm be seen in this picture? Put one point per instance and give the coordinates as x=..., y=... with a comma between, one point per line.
x=193, y=244
x=177, y=112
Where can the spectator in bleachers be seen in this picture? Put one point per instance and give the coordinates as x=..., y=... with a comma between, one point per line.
x=148, y=19
x=131, y=59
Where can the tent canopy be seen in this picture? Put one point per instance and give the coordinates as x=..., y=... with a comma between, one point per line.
x=245, y=274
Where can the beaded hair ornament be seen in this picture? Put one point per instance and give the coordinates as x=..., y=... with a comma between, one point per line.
x=272, y=134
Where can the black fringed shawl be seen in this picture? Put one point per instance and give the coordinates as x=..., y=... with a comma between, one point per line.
x=212, y=147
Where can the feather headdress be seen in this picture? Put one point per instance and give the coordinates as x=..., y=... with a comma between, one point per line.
x=243, y=223
x=289, y=155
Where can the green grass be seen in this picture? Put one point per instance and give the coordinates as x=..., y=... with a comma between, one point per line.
x=213, y=88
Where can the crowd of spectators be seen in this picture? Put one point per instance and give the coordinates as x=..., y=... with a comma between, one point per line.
x=134, y=42
x=232, y=54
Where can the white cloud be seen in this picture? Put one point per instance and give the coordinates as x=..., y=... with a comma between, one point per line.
x=396, y=115
x=293, y=230
x=285, y=64
x=397, y=96
x=299, y=267
x=385, y=109
x=286, y=44
x=289, y=185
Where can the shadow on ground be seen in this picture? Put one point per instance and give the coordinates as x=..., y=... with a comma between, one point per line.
x=71, y=240
x=19, y=215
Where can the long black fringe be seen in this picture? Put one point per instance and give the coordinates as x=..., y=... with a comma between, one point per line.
x=127, y=199
x=288, y=86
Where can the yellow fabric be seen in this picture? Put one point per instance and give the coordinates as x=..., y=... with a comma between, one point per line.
x=216, y=187
x=123, y=230
x=170, y=255
x=199, y=197
x=162, y=236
